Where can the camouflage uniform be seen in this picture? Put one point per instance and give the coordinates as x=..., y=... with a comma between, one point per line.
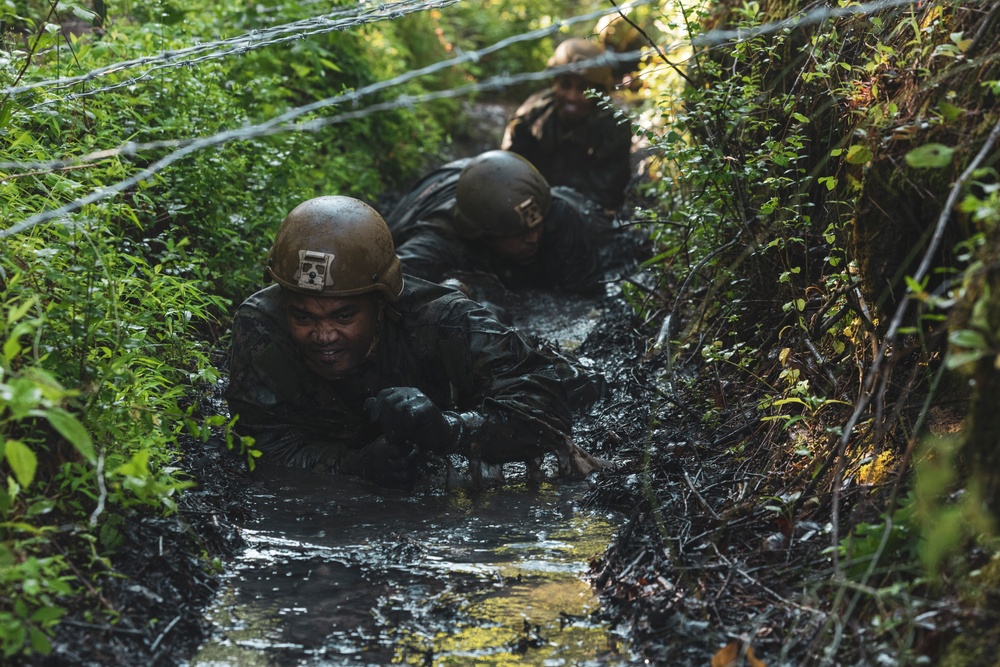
x=432, y=244
x=592, y=158
x=510, y=397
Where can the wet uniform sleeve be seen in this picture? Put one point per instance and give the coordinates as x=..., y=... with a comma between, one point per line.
x=432, y=255
x=510, y=403
x=571, y=257
x=518, y=138
x=289, y=430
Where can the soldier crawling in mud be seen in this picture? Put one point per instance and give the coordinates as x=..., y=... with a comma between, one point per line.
x=494, y=213
x=570, y=138
x=348, y=366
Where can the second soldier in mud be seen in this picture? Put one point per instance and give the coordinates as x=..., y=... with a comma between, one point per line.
x=496, y=214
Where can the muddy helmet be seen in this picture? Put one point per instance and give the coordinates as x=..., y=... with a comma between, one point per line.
x=500, y=193
x=335, y=246
x=575, y=50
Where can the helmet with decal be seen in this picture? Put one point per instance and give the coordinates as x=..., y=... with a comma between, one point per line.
x=335, y=246
x=500, y=193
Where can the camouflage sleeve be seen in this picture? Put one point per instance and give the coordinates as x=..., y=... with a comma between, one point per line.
x=432, y=255
x=510, y=402
x=287, y=432
x=518, y=138
x=572, y=259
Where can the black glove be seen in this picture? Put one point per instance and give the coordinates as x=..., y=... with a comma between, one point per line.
x=387, y=464
x=405, y=413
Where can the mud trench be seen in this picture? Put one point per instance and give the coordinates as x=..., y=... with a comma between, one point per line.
x=336, y=571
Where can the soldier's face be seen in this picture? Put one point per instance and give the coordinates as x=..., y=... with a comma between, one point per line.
x=334, y=334
x=520, y=248
x=572, y=103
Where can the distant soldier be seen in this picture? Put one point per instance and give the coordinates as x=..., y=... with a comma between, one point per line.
x=568, y=137
x=348, y=366
x=495, y=213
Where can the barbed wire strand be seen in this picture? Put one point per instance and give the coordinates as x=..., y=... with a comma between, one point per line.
x=285, y=122
x=132, y=148
x=187, y=147
x=818, y=15
x=239, y=45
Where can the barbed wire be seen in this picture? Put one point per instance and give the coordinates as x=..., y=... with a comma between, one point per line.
x=268, y=128
x=187, y=147
x=240, y=45
x=812, y=17
x=289, y=121
x=133, y=148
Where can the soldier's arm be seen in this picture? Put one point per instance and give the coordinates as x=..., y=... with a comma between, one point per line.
x=511, y=404
x=434, y=255
x=518, y=138
x=572, y=259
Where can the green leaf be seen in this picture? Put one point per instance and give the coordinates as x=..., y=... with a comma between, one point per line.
x=913, y=285
x=859, y=154
x=12, y=348
x=22, y=461
x=70, y=428
x=799, y=117
x=47, y=614
x=330, y=65
x=958, y=359
x=138, y=465
x=39, y=642
x=13, y=639
x=17, y=312
x=950, y=111
x=930, y=156
x=968, y=338
x=84, y=14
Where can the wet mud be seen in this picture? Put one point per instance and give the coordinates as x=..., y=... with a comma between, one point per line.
x=340, y=573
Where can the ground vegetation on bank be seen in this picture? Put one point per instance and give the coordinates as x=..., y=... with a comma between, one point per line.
x=816, y=484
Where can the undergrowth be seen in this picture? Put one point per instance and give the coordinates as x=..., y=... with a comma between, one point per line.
x=810, y=262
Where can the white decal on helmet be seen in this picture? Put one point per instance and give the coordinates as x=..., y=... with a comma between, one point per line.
x=314, y=270
x=530, y=213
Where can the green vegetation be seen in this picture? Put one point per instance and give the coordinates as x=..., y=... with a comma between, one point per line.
x=825, y=232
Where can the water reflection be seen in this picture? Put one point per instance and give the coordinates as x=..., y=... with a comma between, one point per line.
x=344, y=575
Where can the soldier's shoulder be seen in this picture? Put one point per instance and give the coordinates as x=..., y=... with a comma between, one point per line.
x=427, y=304
x=263, y=303
x=536, y=104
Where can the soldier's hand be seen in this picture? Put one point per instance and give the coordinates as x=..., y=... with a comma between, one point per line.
x=405, y=413
x=388, y=464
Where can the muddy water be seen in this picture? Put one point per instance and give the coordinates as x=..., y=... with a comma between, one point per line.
x=338, y=572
